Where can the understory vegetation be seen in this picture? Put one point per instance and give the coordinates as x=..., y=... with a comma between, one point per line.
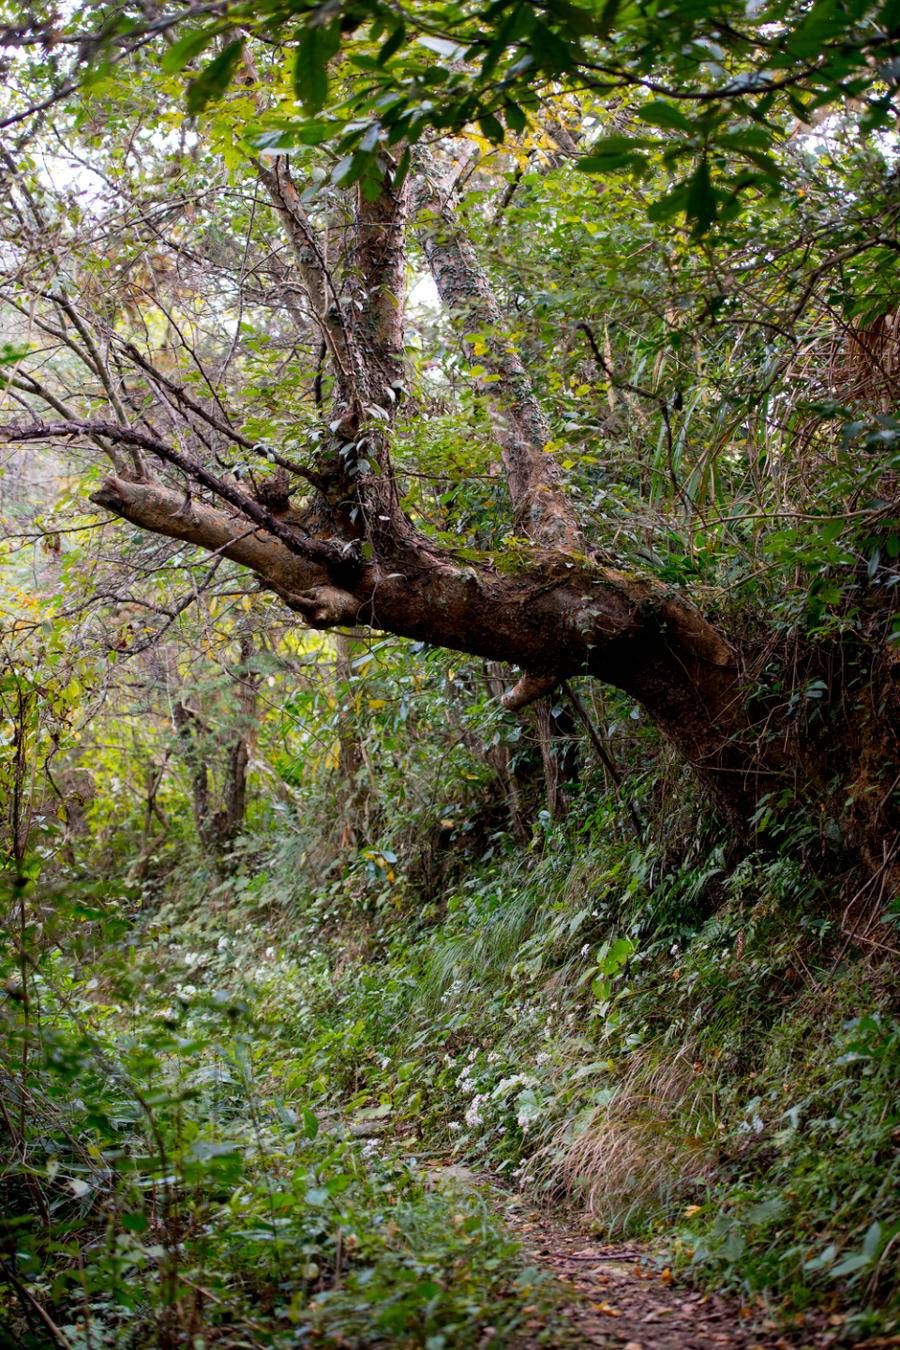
x=239, y=1089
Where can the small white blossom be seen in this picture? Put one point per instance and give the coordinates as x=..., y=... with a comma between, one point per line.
x=505, y=1086
x=473, y=1115
x=464, y=1082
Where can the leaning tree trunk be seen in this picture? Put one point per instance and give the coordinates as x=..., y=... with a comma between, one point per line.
x=350, y=556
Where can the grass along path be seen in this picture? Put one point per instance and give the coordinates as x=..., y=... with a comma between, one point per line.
x=240, y=1147
x=619, y=1296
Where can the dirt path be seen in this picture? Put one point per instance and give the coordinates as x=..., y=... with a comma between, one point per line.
x=620, y=1299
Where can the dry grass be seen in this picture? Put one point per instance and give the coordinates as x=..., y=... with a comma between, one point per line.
x=865, y=363
x=641, y=1152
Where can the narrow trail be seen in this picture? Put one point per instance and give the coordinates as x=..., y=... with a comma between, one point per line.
x=618, y=1297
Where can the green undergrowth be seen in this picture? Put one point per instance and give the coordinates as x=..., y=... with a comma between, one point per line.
x=241, y=1106
x=689, y=1051
x=193, y=1196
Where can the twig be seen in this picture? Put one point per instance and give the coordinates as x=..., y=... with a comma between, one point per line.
x=605, y=758
x=27, y=1298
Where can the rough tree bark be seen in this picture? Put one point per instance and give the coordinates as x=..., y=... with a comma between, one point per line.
x=349, y=555
x=219, y=814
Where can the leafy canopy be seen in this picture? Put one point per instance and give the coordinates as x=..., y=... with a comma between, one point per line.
x=709, y=85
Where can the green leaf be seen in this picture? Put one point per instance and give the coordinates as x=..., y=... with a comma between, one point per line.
x=215, y=78
x=318, y=45
x=310, y=1123
x=700, y=203
x=766, y=1210
x=823, y=1260
x=850, y=1264
x=872, y=1240
x=672, y=204
x=204, y=1149
x=515, y=118
x=10, y=353
x=307, y=133
x=552, y=52
x=747, y=138
x=662, y=114
x=392, y=45
x=451, y=51
x=491, y=128
x=187, y=47
x=517, y=24
x=612, y=152
x=349, y=169
x=611, y=958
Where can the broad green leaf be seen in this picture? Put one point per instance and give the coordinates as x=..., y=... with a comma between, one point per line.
x=318, y=44
x=849, y=1265
x=392, y=45
x=215, y=78
x=612, y=957
x=182, y=52
x=491, y=128
x=612, y=152
x=515, y=118
x=662, y=114
x=700, y=202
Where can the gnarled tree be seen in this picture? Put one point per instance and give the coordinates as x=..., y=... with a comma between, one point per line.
x=329, y=531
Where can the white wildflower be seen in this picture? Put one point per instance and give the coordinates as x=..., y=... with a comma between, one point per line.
x=473, y=1115
x=505, y=1086
x=464, y=1082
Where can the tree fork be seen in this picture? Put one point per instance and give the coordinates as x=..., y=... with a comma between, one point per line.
x=556, y=617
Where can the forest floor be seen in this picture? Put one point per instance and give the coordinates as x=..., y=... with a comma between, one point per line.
x=622, y=1297
x=323, y=1197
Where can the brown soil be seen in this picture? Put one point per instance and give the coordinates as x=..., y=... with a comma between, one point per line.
x=620, y=1296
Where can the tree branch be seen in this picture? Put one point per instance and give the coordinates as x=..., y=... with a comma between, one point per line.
x=327, y=553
